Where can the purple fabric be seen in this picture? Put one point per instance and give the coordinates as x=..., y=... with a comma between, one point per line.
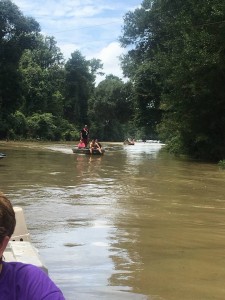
x=20, y=281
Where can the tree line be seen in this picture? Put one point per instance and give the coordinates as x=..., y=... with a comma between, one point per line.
x=177, y=67
x=175, y=90
x=42, y=96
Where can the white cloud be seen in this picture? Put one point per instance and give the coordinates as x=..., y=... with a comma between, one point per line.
x=90, y=26
x=110, y=59
x=64, y=8
x=67, y=49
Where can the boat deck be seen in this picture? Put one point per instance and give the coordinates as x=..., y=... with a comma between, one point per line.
x=20, y=248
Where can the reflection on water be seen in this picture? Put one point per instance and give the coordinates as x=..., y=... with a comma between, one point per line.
x=132, y=224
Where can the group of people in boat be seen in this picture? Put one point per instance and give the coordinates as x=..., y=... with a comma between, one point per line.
x=84, y=141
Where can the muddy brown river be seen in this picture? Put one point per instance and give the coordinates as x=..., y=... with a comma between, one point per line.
x=135, y=223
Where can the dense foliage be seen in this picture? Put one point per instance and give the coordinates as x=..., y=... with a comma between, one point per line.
x=17, y=33
x=110, y=108
x=41, y=95
x=175, y=66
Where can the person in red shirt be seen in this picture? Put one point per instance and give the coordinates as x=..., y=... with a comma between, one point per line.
x=81, y=144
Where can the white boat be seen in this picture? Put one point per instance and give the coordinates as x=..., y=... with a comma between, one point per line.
x=20, y=248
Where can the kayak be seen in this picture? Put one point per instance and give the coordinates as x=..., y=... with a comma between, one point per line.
x=87, y=151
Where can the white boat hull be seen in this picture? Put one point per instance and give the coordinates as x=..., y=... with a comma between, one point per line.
x=20, y=248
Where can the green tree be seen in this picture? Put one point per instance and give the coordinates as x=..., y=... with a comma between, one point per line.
x=18, y=126
x=96, y=66
x=48, y=127
x=43, y=78
x=138, y=65
x=47, y=54
x=79, y=86
x=193, y=100
x=41, y=125
x=177, y=57
x=17, y=33
x=109, y=108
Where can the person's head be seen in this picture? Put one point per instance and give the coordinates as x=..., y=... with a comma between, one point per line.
x=7, y=222
x=85, y=126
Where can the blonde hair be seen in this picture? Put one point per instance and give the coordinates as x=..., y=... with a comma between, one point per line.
x=7, y=217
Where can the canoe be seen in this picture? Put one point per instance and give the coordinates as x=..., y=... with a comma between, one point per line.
x=20, y=248
x=87, y=151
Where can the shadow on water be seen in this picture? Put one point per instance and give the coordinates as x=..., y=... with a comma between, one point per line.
x=134, y=223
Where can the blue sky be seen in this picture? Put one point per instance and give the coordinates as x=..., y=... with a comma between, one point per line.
x=90, y=26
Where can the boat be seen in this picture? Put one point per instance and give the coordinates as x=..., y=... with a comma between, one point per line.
x=2, y=155
x=128, y=142
x=20, y=248
x=87, y=151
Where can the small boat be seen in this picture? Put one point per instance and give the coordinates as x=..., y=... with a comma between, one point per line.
x=128, y=142
x=2, y=155
x=20, y=248
x=87, y=151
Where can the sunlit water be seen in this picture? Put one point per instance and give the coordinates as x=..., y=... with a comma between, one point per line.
x=135, y=223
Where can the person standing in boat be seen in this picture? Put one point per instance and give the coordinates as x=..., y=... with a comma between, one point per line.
x=21, y=281
x=84, y=135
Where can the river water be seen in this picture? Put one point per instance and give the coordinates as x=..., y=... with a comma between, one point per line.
x=135, y=223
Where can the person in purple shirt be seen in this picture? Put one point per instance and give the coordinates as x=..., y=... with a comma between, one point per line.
x=19, y=281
